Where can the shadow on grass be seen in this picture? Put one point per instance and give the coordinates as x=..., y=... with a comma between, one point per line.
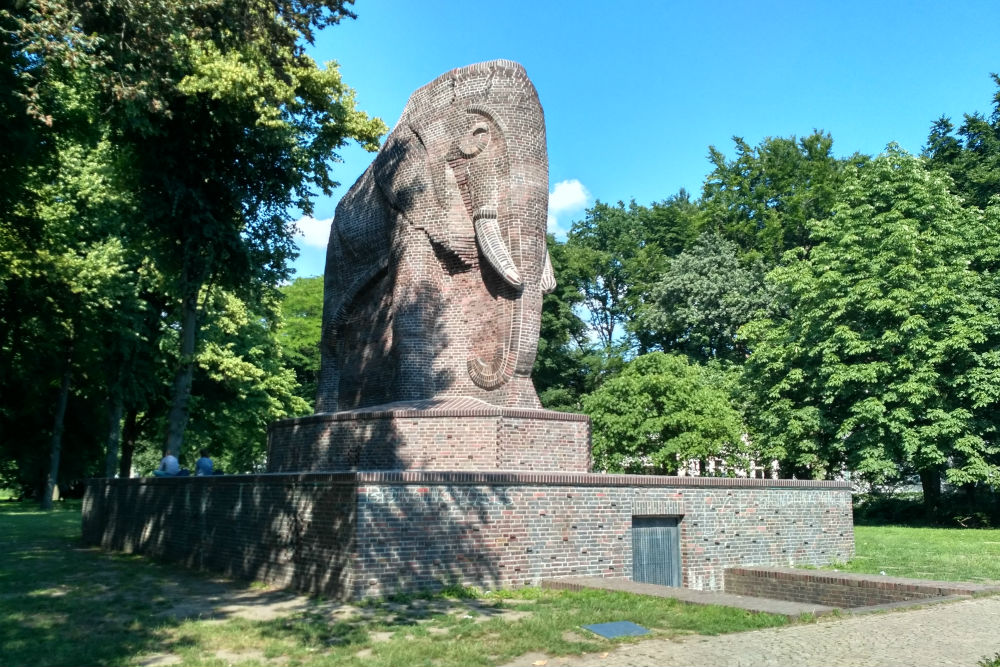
x=62, y=603
x=56, y=594
x=65, y=604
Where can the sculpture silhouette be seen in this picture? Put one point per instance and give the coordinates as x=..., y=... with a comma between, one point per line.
x=437, y=261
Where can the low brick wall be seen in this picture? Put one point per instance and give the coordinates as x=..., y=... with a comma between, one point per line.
x=454, y=434
x=374, y=533
x=838, y=589
x=292, y=530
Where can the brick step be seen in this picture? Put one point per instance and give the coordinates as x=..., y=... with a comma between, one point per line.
x=843, y=589
x=792, y=610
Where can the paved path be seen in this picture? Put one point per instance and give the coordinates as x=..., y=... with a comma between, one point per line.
x=958, y=633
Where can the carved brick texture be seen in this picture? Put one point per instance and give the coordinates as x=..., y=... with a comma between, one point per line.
x=371, y=534
x=437, y=264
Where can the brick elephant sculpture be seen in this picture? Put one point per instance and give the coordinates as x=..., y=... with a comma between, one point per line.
x=437, y=260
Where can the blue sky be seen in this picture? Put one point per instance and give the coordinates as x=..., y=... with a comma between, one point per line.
x=635, y=92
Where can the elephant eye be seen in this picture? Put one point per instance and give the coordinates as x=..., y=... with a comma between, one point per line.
x=475, y=141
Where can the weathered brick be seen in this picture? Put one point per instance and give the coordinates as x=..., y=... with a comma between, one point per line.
x=370, y=534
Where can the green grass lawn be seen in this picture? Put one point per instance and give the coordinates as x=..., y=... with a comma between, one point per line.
x=63, y=604
x=949, y=554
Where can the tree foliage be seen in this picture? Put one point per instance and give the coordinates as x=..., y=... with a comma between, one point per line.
x=230, y=124
x=764, y=199
x=705, y=295
x=970, y=154
x=660, y=412
x=157, y=149
x=886, y=361
x=302, y=313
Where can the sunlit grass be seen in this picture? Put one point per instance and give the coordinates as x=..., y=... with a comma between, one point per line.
x=63, y=604
x=948, y=554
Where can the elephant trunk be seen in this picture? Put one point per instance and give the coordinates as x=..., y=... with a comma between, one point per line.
x=509, y=244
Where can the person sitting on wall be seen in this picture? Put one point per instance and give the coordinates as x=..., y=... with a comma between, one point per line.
x=169, y=466
x=203, y=466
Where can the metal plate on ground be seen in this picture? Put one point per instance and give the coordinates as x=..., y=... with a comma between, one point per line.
x=617, y=629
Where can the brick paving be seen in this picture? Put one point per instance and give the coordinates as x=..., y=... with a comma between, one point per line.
x=958, y=633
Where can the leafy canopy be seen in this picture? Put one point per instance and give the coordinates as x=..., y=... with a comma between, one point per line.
x=886, y=361
x=660, y=412
x=706, y=294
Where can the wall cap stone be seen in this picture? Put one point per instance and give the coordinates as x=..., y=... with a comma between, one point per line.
x=496, y=478
x=434, y=408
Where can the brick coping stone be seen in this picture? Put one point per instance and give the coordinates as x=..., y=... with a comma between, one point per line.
x=457, y=407
x=502, y=478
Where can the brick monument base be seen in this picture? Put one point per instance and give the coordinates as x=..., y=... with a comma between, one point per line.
x=449, y=434
x=367, y=534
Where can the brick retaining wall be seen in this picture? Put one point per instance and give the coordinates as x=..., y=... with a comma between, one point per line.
x=839, y=589
x=374, y=533
x=291, y=530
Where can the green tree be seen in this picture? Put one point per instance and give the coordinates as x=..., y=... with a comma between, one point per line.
x=302, y=312
x=660, y=412
x=613, y=257
x=602, y=255
x=764, y=199
x=66, y=288
x=672, y=224
x=706, y=294
x=886, y=362
x=231, y=126
x=568, y=364
x=970, y=154
x=241, y=383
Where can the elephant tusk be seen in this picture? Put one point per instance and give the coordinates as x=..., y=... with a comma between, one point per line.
x=493, y=246
x=548, y=276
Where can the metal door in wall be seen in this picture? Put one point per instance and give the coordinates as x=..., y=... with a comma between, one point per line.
x=656, y=550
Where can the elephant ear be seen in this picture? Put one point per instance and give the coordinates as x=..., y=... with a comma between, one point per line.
x=400, y=169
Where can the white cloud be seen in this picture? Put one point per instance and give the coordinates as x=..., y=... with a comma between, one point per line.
x=313, y=232
x=567, y=198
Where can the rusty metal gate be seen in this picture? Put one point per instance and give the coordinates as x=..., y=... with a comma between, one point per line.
x=656, y=550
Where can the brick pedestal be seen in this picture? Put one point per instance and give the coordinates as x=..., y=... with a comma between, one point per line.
x=452, y=434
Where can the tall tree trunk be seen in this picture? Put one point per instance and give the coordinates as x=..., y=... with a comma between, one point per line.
x=930, y=480
x=57, y=431
x=178, y=417
x=115, y=408
x=130, y=433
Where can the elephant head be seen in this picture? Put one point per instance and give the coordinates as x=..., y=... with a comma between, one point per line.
x=467, y=165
